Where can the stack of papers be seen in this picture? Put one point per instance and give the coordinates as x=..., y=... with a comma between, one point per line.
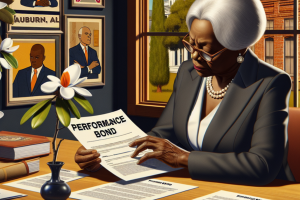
x=35, y=183
x=6, y=194
x=132, y=190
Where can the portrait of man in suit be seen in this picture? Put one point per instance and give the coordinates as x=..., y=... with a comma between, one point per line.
x=28, y=81
x=85, y=56
x=39, y=3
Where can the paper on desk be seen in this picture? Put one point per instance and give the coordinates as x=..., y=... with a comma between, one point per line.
x=110, y=135
x=127, y=190
x=6, y=194
x=35, y=183
x=228, y=196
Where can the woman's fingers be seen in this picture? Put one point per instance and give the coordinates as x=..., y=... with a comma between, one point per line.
x=143, y=147
x=148, y=156
x=89, y=164
x=143, y=139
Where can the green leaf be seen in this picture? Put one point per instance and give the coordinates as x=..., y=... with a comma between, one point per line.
x=40, y=116
x=10, y=10
x=10, y=59
x=33, y=110
x=63, y=112
x=0, y=68
x=73, y=108
x=84, y=103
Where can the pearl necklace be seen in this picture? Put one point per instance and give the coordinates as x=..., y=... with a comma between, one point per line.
x=215, y=94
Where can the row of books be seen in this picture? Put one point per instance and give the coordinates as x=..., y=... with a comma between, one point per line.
x=19, y=154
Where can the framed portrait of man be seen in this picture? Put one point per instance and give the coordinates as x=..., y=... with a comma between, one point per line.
x=38, y=56
x=84, y=44
x=39, y=16
x=88, y=3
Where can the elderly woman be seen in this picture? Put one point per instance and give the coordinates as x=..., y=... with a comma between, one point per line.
x=229, y=110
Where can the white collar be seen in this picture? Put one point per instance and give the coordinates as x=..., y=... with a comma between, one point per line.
x=83, y=47
x=38, y=70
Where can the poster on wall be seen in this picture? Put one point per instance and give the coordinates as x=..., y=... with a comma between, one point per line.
x=36, y=16
x=84, y=44
x=38, y=56
x=88, y=3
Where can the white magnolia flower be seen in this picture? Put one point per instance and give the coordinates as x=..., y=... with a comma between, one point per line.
x=2, y=5
x=1, y=114
x=6, y=46
x=68, y=80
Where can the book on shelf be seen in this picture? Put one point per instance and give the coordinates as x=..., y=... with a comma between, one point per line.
x=19, y=146
x=11, y=170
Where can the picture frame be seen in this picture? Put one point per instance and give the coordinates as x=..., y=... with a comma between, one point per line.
x=36, y=19
x=74, y=50
x=18, y=81
x=88, y=3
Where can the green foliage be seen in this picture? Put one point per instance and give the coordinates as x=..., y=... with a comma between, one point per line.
x=73, y=109
x=63, y=112
x=84, y=103
x=159, y=58
x=40, y=116
x=10, y=59
x=176, y=22
x=10, y=10
x=33, y=110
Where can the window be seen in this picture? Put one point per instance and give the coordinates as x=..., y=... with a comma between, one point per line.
x=269, y=51
x=270, y=25
x=281, y=24
x=289, y=55
x=288, y=24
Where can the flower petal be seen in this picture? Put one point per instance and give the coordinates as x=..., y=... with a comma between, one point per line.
x=53, y=79
x=74, y=72
x=11, y=49
x=67, y=93
x=2, y=5
x=6, y=43
x=1, y=114
x=0, y=75
x=79, y=81
x=4, y=63
x=50, y=87
x=82, y=91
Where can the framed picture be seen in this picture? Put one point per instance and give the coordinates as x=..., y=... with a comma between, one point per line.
x=88, y=3
x=84, y=44
x=38, y=56
x=38, y=16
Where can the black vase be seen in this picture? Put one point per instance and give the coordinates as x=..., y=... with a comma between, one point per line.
x=55, y=189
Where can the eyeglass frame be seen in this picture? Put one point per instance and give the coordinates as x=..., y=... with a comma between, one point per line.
x=201, y=50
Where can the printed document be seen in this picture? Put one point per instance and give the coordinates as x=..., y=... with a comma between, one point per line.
x=132, y=190
x=6, y=194
x=228, y=196
x=110, y=134
x=35, y=183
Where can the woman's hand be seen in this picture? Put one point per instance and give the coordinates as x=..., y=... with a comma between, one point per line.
x=163, y=150
x=88, y=159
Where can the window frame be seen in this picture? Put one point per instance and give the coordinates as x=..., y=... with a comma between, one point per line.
x=137, y=75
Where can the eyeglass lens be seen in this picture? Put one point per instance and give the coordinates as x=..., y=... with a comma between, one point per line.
x=191, y=49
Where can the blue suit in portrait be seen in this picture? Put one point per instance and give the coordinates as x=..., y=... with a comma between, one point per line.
x=76, y=53
x=29, y=3
x=22, y=83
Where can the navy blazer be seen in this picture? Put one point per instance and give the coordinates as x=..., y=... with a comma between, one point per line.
x=76, y=53
x=22, y=83
x=246, y=142
x=29, y=3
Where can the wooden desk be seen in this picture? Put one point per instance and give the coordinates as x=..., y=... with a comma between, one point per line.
x=277, y=190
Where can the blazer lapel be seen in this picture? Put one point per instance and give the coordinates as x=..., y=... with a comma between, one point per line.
x=39, y=79
x=236, y=99
x=81, y=54
x=28, y=79
x=186, y=100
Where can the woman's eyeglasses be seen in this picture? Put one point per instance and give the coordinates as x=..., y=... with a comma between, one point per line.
x=191, y=48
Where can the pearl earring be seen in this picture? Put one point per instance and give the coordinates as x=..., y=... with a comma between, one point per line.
x=240, y=58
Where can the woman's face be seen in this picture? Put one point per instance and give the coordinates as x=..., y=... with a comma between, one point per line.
x=203, y=37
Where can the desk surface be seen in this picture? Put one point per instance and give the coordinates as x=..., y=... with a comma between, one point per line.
x=277, y=190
